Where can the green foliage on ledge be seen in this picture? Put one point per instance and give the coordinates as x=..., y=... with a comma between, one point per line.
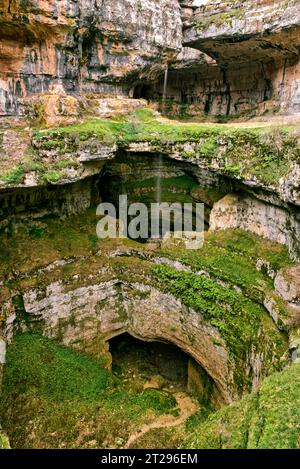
x=59, y=373
x=241, y=322
x=268, y=418
x=258, y=153
x=219, y=19
x=231, y=256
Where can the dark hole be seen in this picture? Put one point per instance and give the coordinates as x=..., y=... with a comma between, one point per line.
x=143, y=91
x=142, y=360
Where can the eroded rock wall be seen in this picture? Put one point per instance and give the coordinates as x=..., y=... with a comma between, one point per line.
x=88, y=45
x=264, y=219
x=225, y=58
x=37, y=46
x=201, y=169
x=102, y=311
x=253, y=88
x=84, y=302
x=34, y=203
x=255, y=49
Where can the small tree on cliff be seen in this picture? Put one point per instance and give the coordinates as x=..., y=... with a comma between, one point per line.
x=274, y=140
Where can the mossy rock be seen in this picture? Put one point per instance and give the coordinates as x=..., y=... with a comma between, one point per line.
x=4, y=442
x=268, y=418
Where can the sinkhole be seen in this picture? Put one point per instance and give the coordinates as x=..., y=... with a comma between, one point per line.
x=149, y=178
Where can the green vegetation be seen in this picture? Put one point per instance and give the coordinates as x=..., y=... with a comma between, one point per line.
x=139, y=7
x=133, y=130
x=219, y=19
x=56, y=239
x=13, y=176
x=264, y=154
x=4, y=443
x=255, y=152
x=50, y=171
x=57, y=372
x=56, y=397
x=54, y=176
x=267, y=418
x=53, y=396
x=231, y=255
x=240, y=321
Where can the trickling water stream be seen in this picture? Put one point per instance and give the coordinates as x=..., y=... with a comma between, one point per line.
x=153, y=178
x=165, y=89
x=158, y=177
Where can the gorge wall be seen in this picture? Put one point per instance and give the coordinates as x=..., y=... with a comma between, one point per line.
x=81, y=84
x=88, y=45
x=64, y=171
x=247, y=61
x=82, y=291
x=224, y=58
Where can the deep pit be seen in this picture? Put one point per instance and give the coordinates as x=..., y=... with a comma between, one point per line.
x=154, y=178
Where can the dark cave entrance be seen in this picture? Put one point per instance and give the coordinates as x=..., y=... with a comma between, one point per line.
x=160, y=365
x=150, y=364
x=143, y=91
x=149, y=178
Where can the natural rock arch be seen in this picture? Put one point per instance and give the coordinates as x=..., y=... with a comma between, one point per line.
x=88, y=317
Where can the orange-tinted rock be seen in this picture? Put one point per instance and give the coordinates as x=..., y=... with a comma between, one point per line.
x=102, y=47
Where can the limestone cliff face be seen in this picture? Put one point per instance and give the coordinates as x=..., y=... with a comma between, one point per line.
x=224, y=57
x=128, y=39
x=255, y=46
x=106, y=309
x=37, y=44
x=249, y=213
x=91, y=45
x=239, y=22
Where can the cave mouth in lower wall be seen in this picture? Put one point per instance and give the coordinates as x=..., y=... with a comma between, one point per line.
x=160, y=365
x=152, y=363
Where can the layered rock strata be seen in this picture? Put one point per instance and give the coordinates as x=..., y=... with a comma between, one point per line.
x=87, y=45
x=225, y=58
x=83, y=301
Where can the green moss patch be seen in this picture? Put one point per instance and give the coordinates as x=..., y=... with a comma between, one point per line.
x=53, y=396
x=219, y=19
x=58, y=373
x=253, y=152
x=268, y=418
x=263, y=153
x=231, y=255
x=242, y=323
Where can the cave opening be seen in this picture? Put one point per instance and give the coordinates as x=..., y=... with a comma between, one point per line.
x=152, y=364
x=143, y=91
x=162, y=365
x=149, y=178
